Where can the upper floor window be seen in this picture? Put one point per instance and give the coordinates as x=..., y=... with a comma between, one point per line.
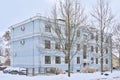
x=96, y=37
x=106, y=50
x=96, y=60
x=57, y=60
x=92, y=49
x=106, y=40
x=92, y=36
x=102, y=39
x=47, y=60
x=96, y=49
x=57, y=46
x=66, y=46
x=66, y=59
x=78, y=33
x=78, y=60
x=47, y=28
x=84, y=51
x=47, y=44
x=58, y=30
x=78, y=46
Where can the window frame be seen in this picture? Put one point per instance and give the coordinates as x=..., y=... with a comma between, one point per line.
x=92, y=49
x=48, y=27
x=78, y=33
x=57, y=60
x=78, y=60
x=78, y=47
x=57, y=46
x=47, y=44
x=48, y=59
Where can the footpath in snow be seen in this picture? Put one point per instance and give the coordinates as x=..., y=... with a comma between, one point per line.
x=115, y=75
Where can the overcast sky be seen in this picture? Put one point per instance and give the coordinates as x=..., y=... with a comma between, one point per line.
x=15, y=11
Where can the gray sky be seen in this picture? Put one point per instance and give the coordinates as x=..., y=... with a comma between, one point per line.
x=14, y=11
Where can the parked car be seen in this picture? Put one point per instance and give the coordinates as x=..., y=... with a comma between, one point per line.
x=2, y=67
x=15, y=70
x=22, y=71
x=7, y=70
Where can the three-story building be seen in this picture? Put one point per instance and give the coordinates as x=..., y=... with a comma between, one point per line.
x=33, y=47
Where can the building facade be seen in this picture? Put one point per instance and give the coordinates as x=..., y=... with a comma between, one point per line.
x=32, y=47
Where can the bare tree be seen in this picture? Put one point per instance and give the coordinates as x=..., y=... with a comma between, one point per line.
x=1, y=46
x=103, y=20
x=6, y=36
x=71, y=15
x=116, y=40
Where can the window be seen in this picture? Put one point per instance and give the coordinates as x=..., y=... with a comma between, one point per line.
x=92, y=60
x=102, y=39
x=78, y=70
x=78, y=46
x=66, y=46
x=66, y=59
x=84, y=51
x=57, y=60
x=78, y=60
x=47, y=44
x=92, y=49
x=58, y=30
x=57, y=46
x=106, y=61
x=92, y=36
x=96, y=37
x=47, y=28
x=106, y=50
x=47, y=60
x=96, y=60
x=106, y=40
x=96, y=49
x=78, y=33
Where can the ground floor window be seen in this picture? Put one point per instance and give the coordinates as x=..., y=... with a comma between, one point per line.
x=78, y=60
x=78, y=70
x=57, y=60
x=106, y=61
x=47, y=60
x=92, y=60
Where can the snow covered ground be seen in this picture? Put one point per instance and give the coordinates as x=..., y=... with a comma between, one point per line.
x=74, y=76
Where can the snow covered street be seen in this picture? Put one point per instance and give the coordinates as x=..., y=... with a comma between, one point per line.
x=74, y=76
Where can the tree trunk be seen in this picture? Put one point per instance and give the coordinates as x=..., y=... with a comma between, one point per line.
x=101, y=52
x=69, y=43
x=68, y=65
